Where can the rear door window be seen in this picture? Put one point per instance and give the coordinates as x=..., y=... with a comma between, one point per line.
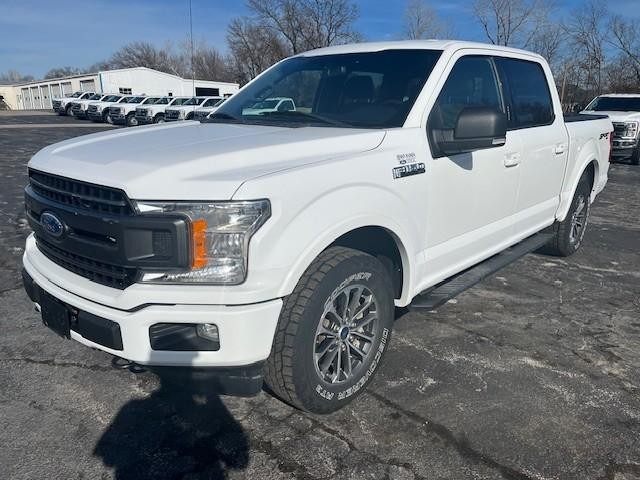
x=531, y=102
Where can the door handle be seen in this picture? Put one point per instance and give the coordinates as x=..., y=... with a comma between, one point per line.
x=560, y=148
x=511, y=159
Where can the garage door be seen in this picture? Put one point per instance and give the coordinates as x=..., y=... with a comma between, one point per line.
x=55, y=91
x=35, y=95
x=88, y=85
x=44, y=94
x=66, y=88
x=26, y=98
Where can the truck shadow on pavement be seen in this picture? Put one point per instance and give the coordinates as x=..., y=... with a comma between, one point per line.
x=176, y=432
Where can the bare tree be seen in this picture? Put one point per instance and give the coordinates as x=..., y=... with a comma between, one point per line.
x=144, y=54
x=625, y=36
x=252, y=49
x=587, y=34
x=13, y=76
x=62, y=72
x=421, y=21
x=208, y=62
x=308, y=24
x=512, y=22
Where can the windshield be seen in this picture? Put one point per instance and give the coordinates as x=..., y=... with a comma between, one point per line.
x=76, y=95
x=194, y=101
x=96, y=96
x=112, y=98
x=180, y=101
x=368, y=90
x=150, y=100
x=162, y=101
x=615, y=104
x=135, y=99
x=211, y=102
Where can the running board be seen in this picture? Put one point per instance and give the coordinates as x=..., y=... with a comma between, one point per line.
x=455, y=285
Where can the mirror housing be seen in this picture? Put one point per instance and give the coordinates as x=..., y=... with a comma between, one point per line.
x=477, y=128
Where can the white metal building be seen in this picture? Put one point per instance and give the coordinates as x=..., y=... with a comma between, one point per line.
x=137, y=81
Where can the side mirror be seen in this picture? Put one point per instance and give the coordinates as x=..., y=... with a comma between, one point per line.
x=477, y=128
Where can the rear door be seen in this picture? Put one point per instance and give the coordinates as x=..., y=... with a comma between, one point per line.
x=544, y=141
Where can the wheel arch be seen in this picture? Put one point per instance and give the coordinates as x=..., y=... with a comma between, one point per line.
x=589, y=166
x=380, y=239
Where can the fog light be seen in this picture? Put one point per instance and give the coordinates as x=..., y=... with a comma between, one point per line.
x=208, y=331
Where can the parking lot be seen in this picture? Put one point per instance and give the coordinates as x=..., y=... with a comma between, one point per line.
x=532, y=374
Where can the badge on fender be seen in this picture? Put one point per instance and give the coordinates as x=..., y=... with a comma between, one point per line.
x=408, y=169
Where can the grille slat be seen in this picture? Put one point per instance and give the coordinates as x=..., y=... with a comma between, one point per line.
x=80, y=195
x=99, y=272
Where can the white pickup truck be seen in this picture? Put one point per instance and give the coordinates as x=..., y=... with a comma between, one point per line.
x=154, y=113
x=207, y=108
x=124, y=113
x=275, y=246
x=186, y=111
x=62, y=105
x=98, y=111
x=624, y=111
x=79, y=107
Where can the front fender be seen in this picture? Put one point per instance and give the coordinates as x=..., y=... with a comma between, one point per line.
x=295, y=238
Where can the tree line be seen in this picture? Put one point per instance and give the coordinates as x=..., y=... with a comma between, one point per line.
x=591, y=50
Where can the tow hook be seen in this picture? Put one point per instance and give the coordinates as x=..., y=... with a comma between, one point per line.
x=120, y=363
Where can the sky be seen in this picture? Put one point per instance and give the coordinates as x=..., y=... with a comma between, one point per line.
x=37, y=35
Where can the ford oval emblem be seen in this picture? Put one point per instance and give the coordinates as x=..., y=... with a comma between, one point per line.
x=52, y=224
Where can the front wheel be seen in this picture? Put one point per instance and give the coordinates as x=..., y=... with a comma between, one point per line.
x=570, y=232
x=130, y=120
x=635, y=158
x=158, y=118
x=333, y=331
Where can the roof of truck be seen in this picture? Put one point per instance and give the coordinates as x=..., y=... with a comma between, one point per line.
x=412, y=45
x=621, y=95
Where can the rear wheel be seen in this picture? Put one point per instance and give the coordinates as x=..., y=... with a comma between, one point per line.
x=570, y=232
x=333, y=331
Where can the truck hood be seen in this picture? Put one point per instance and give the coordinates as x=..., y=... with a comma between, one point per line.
x=616, y=116
x=194, y=161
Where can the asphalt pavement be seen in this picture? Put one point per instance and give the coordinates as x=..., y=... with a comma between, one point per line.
x=532, y=374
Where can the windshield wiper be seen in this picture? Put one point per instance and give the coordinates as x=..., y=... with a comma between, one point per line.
x=310, y=116
x=222, y=116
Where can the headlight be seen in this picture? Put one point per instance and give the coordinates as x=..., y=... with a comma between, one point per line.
x=630, y=129
x=219, y=239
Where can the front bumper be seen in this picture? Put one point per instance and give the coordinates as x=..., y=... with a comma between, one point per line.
x=146, y=120
x=118, y=119
x=95, y=116
x=246, y=331
x=623, y=148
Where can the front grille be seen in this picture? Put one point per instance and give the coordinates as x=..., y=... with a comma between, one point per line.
x=75, y=107
x=114, y=110
x=92, y=108
x=81, y=195
x=618, y=129
x=99, y=272
x=142, y=112
x=172, y=114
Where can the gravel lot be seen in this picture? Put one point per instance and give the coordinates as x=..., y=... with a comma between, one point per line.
x=532, y=374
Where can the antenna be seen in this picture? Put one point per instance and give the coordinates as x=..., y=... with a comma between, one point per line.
x=193, y=72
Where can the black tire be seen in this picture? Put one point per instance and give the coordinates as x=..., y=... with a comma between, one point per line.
x=566, y=241
x=635, y=158
x=106, y=117
x=130, y=120
x=68, y=112
x=189, y=116
x=292, y=371
x=159, y=118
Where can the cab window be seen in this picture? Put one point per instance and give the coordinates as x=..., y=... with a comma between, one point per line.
x=471, y=83
x=531, y=103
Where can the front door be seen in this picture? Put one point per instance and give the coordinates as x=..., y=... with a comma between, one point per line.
x=471, y=196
